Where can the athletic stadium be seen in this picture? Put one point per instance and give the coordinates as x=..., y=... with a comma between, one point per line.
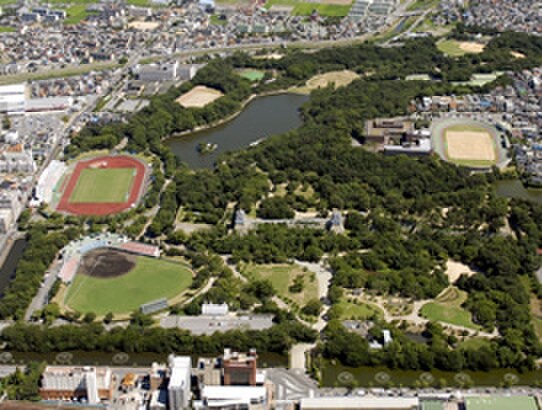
x=111, y=273
x=102, y=185
x=469, y=143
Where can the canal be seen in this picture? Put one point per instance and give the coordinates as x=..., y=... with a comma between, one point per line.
x=7, y=271
x=80, y=358
x=337, y=375
x=262, y=117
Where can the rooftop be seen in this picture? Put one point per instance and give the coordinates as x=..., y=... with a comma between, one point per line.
x=500, y=403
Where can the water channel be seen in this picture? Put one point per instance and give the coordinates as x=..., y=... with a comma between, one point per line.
x=7, y=270
x=262, y=117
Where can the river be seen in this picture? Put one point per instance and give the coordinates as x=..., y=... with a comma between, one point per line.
x=7, y=271
x=262, y=117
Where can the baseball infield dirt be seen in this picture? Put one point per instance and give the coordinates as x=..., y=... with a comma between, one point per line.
x=106, y=263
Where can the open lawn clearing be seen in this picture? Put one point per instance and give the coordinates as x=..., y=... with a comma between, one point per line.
x=103, y=185
x=6, y=29
x=358, y=311
x=199, y=97
x=76, y=13
x=474, y=343
x=447, y=309
x=455, y=269
x=469, y=143
x=252, y=75
x=456, y=48
x=282, y=277
x=149, y=280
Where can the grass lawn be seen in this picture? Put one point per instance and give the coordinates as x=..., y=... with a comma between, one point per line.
x=76, y=13
x=6, y=29
x=306, y=9
x=475, y=343
x=361, y=311
x=282, y=277
x=103, y=185
x=150, y=280
x=451, y=47
x=252, y=75
x=447, y=308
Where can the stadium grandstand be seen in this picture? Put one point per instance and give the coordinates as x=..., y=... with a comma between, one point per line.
x=155, y=306
x=139, y=248
x=47, y=182
x=74, y=251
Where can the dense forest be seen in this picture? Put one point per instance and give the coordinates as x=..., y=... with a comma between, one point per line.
x=404, y=218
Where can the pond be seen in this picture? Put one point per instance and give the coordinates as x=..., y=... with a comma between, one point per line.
x=262, y=117
x=514, y=188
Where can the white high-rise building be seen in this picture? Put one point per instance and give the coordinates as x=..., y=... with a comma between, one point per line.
x=179, y=386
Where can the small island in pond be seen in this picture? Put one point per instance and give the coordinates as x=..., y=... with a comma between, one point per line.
x=206, y=147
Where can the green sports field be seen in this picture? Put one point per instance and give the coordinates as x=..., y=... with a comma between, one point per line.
x=252, y=75
x=103, y=185
x=151, y=279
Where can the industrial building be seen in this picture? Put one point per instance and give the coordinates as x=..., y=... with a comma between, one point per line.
x=359, y=403
x=158, y=72
x=214, y=309
x=66, y=383
x=179, y=386
x=12, y=98
x=233, y=397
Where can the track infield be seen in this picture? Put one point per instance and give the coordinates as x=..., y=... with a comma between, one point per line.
x=466, y=143
x=146, y=279
x=103, y=186
x=469, y=143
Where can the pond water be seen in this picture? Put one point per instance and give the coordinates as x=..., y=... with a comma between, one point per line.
x=513, y=188
x=262, y=117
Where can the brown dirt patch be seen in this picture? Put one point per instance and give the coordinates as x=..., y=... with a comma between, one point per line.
x=471, y=47
x=106, y=263
x=199, y=97
x=470, y=145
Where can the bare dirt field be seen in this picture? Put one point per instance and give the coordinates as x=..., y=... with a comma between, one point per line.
x=470, y=145
x=106, y=263
x=198, y=97
x=471, y=47
x=517, y=55
x=143, y=25
x=455, y=269
x=339, y=78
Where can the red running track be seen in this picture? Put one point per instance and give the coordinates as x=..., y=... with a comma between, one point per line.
x=100, y=208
